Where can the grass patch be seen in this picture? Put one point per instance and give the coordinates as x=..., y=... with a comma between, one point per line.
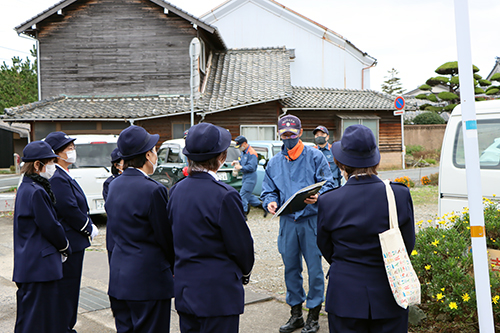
x=6, y=172
x=425, y=195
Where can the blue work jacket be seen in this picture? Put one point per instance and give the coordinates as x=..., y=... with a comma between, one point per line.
x=105, y=185
x=336, y=175
x=248, y=161
x=283, y=178
x=213, y=246
x=143, y=256
x=350, y=220
x=72, y=209
x=38, y=236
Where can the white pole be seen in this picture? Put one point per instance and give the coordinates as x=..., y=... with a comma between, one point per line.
x=472, y=169
x=403, y=149
x=191, y=98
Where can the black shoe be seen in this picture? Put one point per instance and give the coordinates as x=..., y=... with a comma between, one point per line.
x=312, y=322
x=295, y=321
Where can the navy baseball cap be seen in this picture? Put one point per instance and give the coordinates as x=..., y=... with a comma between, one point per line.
x=37, y=150
x=135, y=140
x=116, y=155
x=357, y=148
x=289, y=123
x=205, y=141
x=58, y=139
x=322, y=129
x=240, y=140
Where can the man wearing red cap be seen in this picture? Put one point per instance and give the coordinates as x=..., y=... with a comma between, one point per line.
x=296, y=167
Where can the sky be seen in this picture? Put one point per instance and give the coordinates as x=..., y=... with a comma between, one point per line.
x=414, y=37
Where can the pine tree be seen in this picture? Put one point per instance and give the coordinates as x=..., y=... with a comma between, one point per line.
x=392, y=85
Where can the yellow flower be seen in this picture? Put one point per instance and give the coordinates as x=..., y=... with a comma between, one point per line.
x=440, y=296
x=495, y=299
x=465, y=297
x=443, y=236
x=442, y=289
x=435, y=252
x=427, y=267
x=435, y=243
x=414, y=253
x=453, y=305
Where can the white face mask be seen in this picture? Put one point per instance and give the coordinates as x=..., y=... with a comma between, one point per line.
x=154, y=165
x=50, y=169
x=71, y=156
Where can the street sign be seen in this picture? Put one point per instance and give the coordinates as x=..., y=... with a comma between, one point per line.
x=398, y=112
x=399, y=103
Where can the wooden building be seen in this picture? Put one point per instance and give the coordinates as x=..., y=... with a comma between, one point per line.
x=106, y=64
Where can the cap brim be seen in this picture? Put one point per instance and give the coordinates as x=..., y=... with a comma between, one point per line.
x=64, y=143
x=39, y=158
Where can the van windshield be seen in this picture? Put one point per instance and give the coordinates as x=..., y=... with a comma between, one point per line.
x=488, y=142
x=93, y=155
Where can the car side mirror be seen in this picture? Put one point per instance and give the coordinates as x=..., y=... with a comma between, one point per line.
x=263, y=162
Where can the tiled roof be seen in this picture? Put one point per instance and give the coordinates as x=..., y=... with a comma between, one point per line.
x=71, y=107
x=247, y=76
x=236, y=78
x=339, y=99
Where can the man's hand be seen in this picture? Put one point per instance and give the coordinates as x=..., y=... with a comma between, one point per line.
x=237, y=167
x=312, y=199
x=234, y=162
x=272, y=207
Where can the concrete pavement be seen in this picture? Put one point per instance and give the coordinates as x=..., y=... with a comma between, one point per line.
x=264, y=312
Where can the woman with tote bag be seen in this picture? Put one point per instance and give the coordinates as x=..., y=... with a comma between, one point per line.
x=350, y=219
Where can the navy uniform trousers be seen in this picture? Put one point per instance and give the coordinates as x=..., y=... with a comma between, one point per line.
x=72, y=212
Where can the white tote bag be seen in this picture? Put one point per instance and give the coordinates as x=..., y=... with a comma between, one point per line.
x=400, y=273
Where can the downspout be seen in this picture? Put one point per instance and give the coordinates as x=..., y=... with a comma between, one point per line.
x=131, y=121
x=39, y=81
x=363, y=74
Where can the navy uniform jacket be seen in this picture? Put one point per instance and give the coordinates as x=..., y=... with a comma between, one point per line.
x=72, y=209
x=105, y=186
x=213, y=246
x=37, y=236
x=143, y=256
x=349, y=222
x=248, y=162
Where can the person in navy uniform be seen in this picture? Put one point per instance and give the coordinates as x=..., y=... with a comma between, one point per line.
x=40, y=245
x=321, y=136
x=214, y=252
x=141, y=280
x=73, y=214
x=116, y=170
x=350, y=219
x=296, y=167
x=248, y=165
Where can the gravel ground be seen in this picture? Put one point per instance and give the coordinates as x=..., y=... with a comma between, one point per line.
x=267, y=274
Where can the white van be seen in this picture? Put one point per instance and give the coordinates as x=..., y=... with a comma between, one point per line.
x=452, y=179
x=93, y=166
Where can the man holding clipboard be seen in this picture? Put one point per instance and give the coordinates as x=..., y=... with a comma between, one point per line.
x=296, y=167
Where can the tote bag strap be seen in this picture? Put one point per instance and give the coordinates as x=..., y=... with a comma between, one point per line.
x=393, y=213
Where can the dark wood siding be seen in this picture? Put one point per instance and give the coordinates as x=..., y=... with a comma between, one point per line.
x=114, y=47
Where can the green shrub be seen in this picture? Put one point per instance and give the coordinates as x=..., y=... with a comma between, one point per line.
x=434, y=178
x=428, y=118
x=495, y=77
x=443, y=262
x=430, y=160
x=411, y=149
x=421, y=96
x=434, y=108
x=447, y=96
x=425, y=87
x=449, y=107
x=423, y=106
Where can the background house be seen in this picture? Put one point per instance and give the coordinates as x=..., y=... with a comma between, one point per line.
x=323, y=58
x=106, y=64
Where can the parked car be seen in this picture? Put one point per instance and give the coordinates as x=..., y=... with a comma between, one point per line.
x=453, y=194
x=93, y=166
x=171, y=161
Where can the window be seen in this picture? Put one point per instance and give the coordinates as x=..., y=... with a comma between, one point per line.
x=369, y=121
x=488, y=136
x=258, y=132
x=114, y=125
x=42, y=129
x=78, y=126
x=262, y=153
x=179, y=129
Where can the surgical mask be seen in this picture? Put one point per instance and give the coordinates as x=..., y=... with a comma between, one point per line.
x=320, y=140
x=241, y=149
x=50, y=169
x=155, y=165
x=290, y=143
x=71, y=156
